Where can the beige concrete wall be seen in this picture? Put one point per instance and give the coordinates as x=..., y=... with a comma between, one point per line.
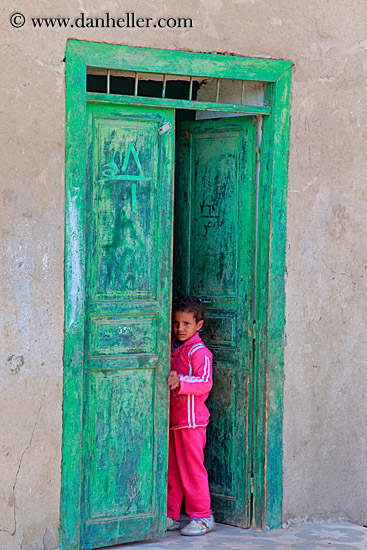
x=325, y=406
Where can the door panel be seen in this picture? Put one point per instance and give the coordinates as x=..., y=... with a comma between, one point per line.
x=112, y=398
x=129, y=243
x=215, y=235
x=125, y=250
x=214, y=232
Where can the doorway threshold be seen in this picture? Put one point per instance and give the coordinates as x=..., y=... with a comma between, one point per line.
x=309, y=536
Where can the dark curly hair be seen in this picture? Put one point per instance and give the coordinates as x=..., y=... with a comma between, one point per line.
x=191, y=304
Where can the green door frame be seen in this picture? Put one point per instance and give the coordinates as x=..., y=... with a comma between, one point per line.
x=270, y=300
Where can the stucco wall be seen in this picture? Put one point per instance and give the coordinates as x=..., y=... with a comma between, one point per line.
x=325, y=406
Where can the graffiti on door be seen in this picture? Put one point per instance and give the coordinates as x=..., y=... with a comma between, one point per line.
x=208, y=217
x=122, y=251
x=125, y=204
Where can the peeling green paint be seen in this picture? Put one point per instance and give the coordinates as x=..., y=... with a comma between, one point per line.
x=79, y=304
x=215, y=218
x=16, y=363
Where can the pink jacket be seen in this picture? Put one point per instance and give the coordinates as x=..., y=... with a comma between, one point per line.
x=193, y=363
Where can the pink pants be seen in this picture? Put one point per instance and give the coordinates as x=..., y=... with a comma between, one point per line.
x=187, y=474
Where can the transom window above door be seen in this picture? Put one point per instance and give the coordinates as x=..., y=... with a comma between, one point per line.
x=193, y=89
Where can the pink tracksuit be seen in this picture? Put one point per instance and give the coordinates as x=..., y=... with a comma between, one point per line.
x=189, y=417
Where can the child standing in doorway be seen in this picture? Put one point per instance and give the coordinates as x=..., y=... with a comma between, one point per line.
x=190, y=381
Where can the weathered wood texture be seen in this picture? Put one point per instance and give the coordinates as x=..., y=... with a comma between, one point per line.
x=129, y=234
x=118, y=361
x=270, y=306
x=114, y=469
x=76, y=149
x=215, y=224
x=179, y=104
x=129, y=58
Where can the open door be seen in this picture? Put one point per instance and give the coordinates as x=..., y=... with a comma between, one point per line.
x=126, y=353
x=215, y=221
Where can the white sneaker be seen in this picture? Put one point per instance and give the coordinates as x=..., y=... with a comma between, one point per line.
x=172, y=524
x=199, y=526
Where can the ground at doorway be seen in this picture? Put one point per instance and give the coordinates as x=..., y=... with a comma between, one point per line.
x=316, y=536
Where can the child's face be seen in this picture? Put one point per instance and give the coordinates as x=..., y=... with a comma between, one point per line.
x=185, y=325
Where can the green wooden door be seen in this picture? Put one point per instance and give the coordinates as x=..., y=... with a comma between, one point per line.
x=129, y=236
x=215, y=233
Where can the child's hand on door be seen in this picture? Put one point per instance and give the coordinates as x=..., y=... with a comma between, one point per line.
x=173, y=380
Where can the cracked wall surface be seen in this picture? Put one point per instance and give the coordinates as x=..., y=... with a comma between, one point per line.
x=325, y=406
